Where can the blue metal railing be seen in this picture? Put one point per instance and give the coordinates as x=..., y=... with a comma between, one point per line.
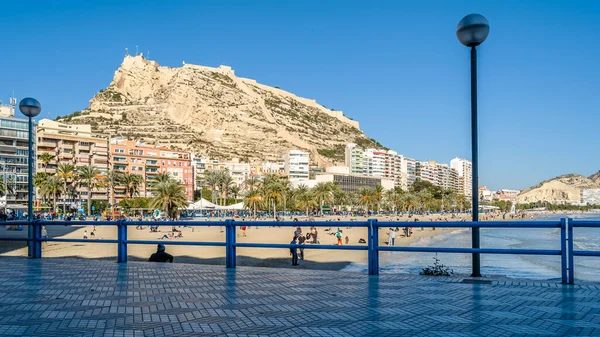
x=372, y=246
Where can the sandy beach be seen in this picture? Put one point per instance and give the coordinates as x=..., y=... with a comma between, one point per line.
x=264, y=257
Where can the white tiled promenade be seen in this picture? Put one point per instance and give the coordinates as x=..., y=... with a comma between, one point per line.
x=68, y=297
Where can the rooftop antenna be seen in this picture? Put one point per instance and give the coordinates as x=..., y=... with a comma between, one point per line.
x=126, y=51
x=136, y=50
x=148, y=55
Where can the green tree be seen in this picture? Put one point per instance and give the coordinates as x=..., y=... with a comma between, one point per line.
x=251, y=200
x=366, y=197
x=45, y=158
x=131, y=182
x=52, y=186
x=66, y=172
x=169, y=196
x=88, y=176
x=323, y=192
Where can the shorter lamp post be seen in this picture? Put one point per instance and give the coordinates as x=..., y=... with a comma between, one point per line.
x=30, y=107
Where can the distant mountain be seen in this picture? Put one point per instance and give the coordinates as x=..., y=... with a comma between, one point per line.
x=211, y=111
x=566, y=188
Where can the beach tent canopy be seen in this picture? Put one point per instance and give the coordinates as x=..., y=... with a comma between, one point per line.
x=202, y=204
x=238, y=206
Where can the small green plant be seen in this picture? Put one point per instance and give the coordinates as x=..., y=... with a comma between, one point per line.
x=437, y=269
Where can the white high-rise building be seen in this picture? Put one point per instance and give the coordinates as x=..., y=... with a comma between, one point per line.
x=296, y=165
x=465, y=175
x=355, y=159
x=409, y=167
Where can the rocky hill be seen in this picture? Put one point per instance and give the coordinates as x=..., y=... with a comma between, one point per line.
x=566, y=188
x=595, y=177
x=210, y=111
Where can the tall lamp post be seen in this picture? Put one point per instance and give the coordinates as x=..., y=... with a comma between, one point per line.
x=30, y=107
x=472, y=30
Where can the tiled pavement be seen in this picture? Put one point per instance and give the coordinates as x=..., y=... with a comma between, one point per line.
x=67, y=297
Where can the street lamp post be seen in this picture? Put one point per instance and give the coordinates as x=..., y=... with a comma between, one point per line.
x=472, y=30
x=30, y=107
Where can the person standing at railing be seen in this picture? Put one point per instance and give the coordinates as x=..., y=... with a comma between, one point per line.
x=294, y=252
x=161, y=255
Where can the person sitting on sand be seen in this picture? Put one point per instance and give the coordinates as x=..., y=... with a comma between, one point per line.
x=347, y=239
x=85, y=236
x=161, y=255
x=164, y=237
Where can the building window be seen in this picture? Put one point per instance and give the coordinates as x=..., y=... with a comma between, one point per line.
x=119, y=151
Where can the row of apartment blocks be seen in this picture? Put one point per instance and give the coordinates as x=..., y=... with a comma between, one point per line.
x=75, y=144
x=405, y=171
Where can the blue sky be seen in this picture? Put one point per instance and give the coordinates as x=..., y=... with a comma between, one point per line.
x=395, y=66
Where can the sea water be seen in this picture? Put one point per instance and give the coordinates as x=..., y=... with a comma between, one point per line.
x=533, y=267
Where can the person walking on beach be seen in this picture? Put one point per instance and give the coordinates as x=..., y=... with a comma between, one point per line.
x=294, y=252
x=161, y=255
x=85, y=236
x=243, y=231
x=338, y=235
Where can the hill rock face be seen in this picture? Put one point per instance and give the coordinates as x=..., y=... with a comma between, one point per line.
x=210, y=111
x=566, y=188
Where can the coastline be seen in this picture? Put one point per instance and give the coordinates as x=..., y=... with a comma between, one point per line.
x=321, y=259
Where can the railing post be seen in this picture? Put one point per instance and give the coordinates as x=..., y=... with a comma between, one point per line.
x=36, y=240
x=122, y=238
x=571, y=262
x=563, y=250
x=373, y=243
x=229, y=244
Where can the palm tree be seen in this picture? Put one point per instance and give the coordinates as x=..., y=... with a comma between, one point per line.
x=252, y=183
x=45, y=158
x=304, y=198
x=274, y=190
x=226, y=184
x=169, y=197
x=424, y=198
x=162, y=177
x=235, y=190
x=339, y=196
x=251, y=200
x=66, y=172
x=212, y=180
x=5, y=187
x=89, y=176
x=110, y=180
x=285, y=192
x=366, y=195
x=378, y=196
x=132, y=183
x=51, y=187
x=323, y=192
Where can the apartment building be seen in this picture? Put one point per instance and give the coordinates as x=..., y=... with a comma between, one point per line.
x=72, y=144
x=147, y=161
x=296, y=164
x=239, y=172
x=465, y=175
x=355, y=159
x=409, y=167
x=14, y=154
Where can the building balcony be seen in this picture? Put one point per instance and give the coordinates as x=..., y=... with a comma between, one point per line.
x=46, y=144
x=65, y=155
